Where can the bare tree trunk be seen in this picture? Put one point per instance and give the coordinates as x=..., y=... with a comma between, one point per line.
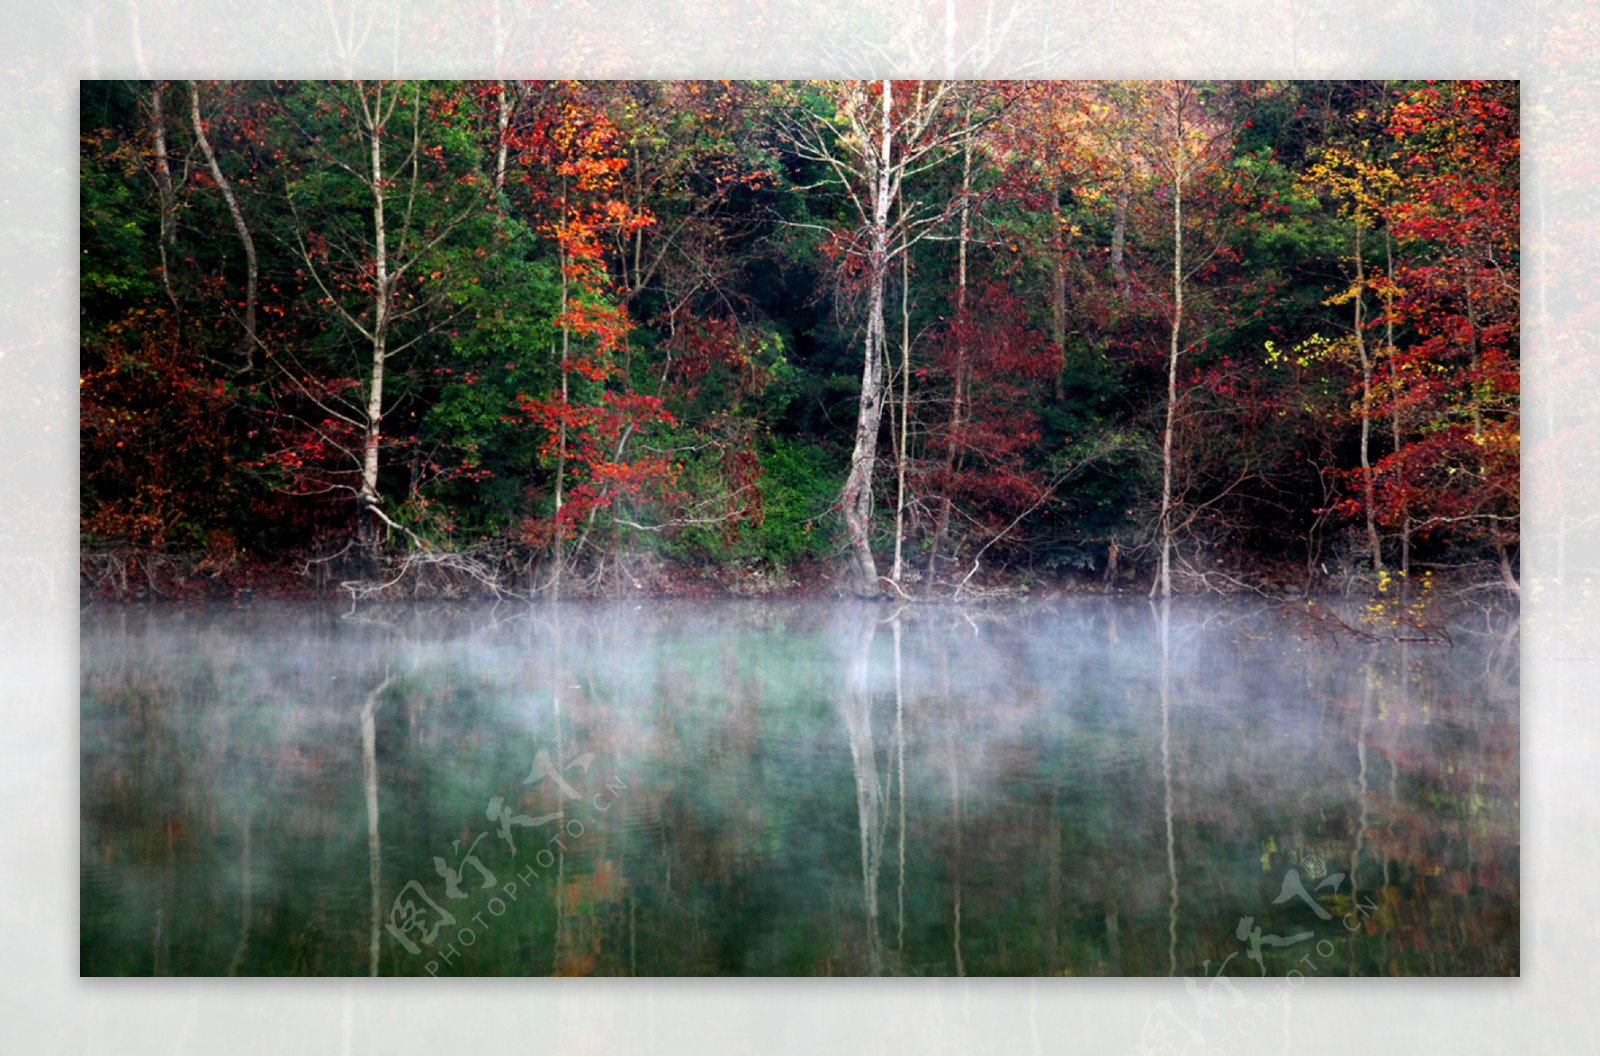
x=558, y=542
x=857, y=495
x=566, y=350
x=1163, y=581
x=370, y=504
x=1119, y=235
x=247, y=344
x=1369, y=505
x=502, y=123
x=166, y=204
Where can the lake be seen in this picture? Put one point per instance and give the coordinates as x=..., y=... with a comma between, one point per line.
x=1080, y=787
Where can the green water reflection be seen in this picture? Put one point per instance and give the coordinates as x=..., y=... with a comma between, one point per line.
x=792, y=789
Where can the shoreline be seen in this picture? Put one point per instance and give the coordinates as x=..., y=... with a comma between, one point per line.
x=131, y=578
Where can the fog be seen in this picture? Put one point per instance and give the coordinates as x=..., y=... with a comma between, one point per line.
x=1089, y=788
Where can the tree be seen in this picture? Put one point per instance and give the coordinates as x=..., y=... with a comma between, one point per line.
x=1179, y=140
x=871, y=136
x=247, y=342
x=1361, y=188
x=383, y=178
x=1455, y=383
x=571, y=172
x=1001, y=368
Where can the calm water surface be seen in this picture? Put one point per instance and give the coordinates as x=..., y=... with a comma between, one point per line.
x=1072, y=789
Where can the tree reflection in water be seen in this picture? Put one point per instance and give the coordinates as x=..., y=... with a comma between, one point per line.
x=1073, y=789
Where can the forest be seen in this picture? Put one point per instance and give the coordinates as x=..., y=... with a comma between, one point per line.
x=915, y=339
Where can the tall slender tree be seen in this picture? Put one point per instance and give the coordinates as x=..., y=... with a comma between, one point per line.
x=870, y=137
x=1179, y=139
x=376, y=150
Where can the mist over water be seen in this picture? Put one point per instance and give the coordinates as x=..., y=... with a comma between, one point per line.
x=1081, y=788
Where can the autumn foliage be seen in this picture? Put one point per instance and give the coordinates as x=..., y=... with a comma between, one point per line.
x=870, y=330
x=1455, y=381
